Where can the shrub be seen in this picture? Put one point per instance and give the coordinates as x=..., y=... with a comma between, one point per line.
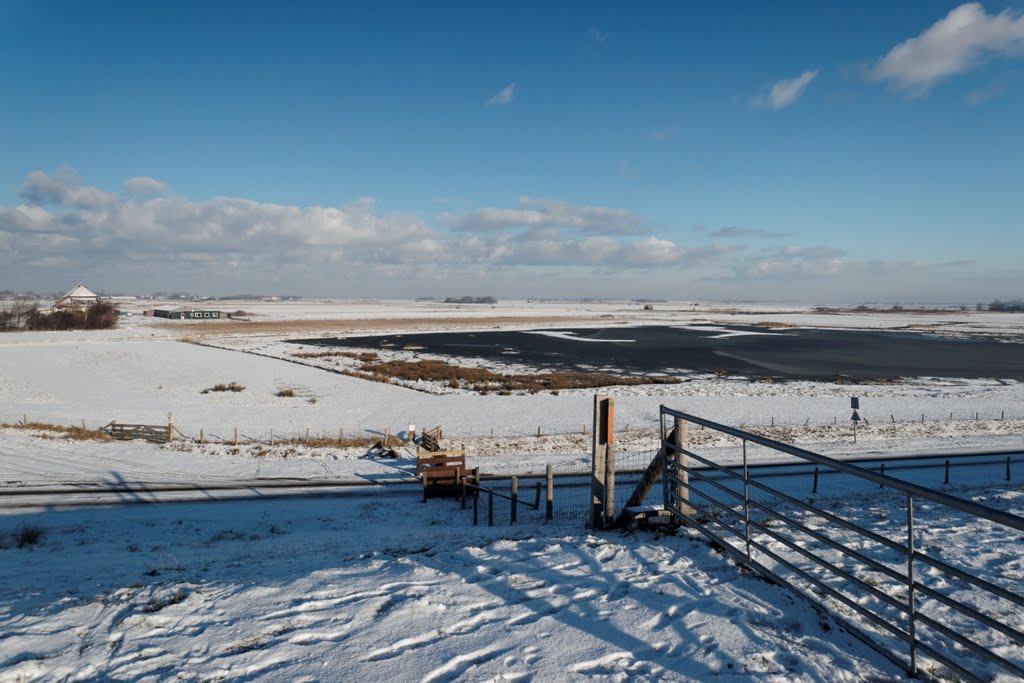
x=99, y=316
x=27, y=535
x=286, y=393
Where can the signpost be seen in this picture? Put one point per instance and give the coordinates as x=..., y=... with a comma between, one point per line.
x=855, y=418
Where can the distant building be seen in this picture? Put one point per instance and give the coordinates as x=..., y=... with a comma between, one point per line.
x=188, y=314
x=79, y=297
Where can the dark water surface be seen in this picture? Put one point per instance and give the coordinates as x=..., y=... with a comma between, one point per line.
x=792, y=354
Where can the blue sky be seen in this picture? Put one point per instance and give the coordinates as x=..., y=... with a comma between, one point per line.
x=809, y=151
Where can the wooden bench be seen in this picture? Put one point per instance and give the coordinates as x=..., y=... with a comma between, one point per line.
x=442, y=473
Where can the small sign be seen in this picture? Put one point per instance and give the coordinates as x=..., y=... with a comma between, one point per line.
x=855, y=402
x=855, y=417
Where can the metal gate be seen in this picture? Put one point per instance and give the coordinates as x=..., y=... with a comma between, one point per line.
x=901, y=598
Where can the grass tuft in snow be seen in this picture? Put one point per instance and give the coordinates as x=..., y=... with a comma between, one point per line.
x=28, y=535
x=286, y=392
x=233, y=386
x=157, y=602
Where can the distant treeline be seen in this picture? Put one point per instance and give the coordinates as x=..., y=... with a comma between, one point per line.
x=22, y=315
x=1015, y=305
x=471, y=300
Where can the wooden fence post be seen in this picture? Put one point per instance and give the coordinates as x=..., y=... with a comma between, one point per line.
x=202, y=436
x=236, y=436
x=550, y=512
x=515, y=498
x=271, y=436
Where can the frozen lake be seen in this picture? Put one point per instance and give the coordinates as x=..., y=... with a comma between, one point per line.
x=786, y=353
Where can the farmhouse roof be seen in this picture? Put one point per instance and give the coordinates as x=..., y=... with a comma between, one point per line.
x=80, y=292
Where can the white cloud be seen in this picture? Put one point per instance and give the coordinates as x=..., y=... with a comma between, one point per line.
x=145, y=185
x=504, y=96
x=63, y=187
x=736, y=231
x=963, y=39
x=785, y=92
x=548, y=213
x=152, y=241
x=141, y=242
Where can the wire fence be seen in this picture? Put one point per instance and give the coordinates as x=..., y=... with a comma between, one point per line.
x=630, y=435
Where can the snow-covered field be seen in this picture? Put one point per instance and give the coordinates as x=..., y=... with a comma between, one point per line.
x=366, y=590
x=335, y=589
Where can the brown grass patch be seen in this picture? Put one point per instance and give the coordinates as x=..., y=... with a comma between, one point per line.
x=286, y=392
x=233, y=386
x=485, y=381
x=55, y=431
x=331, y=441
x=364, y=356
x=774, y=325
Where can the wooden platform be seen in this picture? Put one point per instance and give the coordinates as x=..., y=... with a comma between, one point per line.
x=442, y=474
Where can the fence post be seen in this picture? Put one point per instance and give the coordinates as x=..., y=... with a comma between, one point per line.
x=202, y=436
x=536, y=497
x=476, y=507
x=1007, y=468
x=682, y=442
x=271, y=436
x=814, y=488
x=515, y=498
x=946, y=481
x=490, y=507
x=911, y=608
x=550, y=512
x=462, y=491
x=236, y=436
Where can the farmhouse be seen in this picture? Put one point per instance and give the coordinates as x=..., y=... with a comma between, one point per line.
x=186, y=314
x=79, y=297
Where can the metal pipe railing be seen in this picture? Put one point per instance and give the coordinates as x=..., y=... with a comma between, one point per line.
x=906, y=603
